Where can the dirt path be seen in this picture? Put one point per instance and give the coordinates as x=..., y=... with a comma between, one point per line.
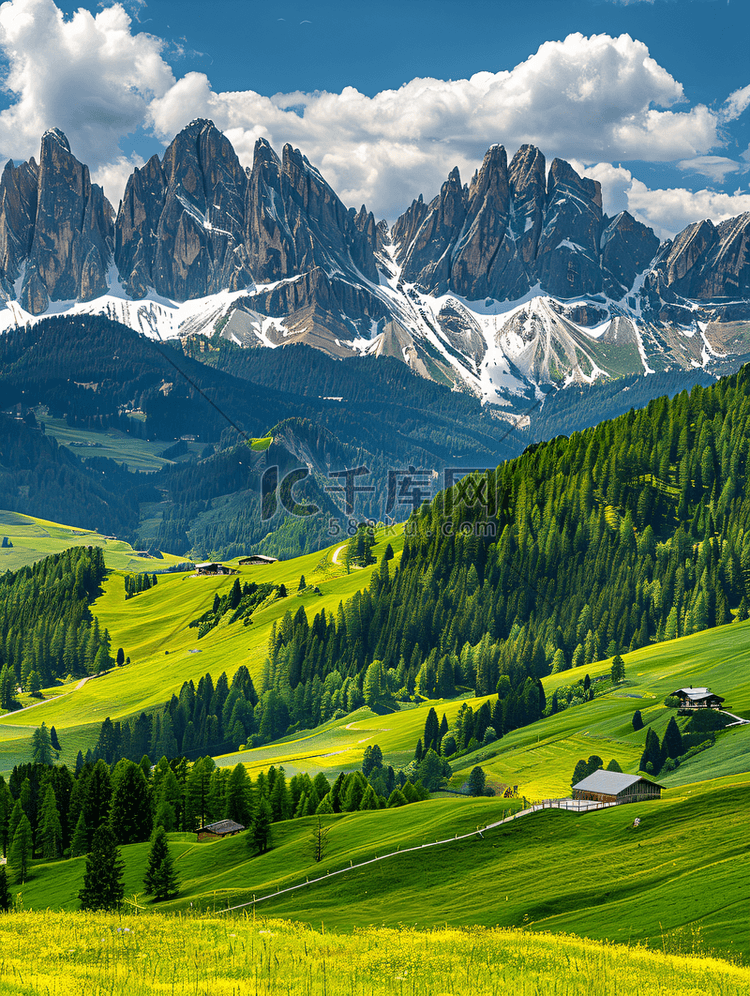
x=55, y=698
x=336, y=552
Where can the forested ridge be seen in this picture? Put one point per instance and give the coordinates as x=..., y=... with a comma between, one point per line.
x=634, y=531
x=46, y=626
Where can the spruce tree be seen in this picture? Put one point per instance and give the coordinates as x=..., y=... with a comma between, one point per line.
x=79, y=845
x=160, y=880
x=20, y=854
x=671, y=745
x=637, y=720
x=103, y=888
x=41, y=746
x=130, y=810
x=50, y=828
x=260, y=835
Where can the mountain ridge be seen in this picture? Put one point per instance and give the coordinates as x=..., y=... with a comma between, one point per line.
x=509, y=286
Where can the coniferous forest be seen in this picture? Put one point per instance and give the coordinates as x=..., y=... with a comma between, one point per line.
x=46, y=626
x=634, y=531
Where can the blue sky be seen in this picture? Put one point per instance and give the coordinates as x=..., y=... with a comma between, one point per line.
x=650, y=96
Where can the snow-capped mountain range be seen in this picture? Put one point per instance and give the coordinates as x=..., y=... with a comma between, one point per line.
x=507, y=286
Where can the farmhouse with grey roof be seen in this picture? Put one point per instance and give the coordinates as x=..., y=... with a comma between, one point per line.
x=616, y=787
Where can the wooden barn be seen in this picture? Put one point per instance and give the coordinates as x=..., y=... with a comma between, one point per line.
x=697, y=698
x=210, y=568
x=257, y=559
x=217, y=831
x=616, y=787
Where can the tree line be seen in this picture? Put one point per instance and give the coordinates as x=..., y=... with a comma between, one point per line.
x=634, y=531
x=47, y=630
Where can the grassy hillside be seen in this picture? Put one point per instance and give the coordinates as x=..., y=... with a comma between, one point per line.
x=540, y=758
x=599, y=876
x=97, y=953
x=34, y=538
x=136, y=454
x=153, y=630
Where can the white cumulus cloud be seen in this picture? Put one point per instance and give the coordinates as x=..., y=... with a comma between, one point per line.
x=597, y=99
x=89, y=75
x=588, y=98
x=668, y=210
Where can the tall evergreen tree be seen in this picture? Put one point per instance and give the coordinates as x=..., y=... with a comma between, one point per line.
x=103, y=887
x=41, y=746
x=19, y=857
x=260, y=834
x=161, y=879
x=130, y=817
x=50, y=827
x=5, y=899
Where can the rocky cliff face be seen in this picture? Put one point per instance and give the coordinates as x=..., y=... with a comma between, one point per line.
x=180, y=226
x=437, y=290
x=709, y=261
x=514, y=227
x=55, y=229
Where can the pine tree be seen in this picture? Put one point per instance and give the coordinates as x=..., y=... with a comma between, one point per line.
x=161, y=879
x=260, y=835
x=637, y=720
x=20, y=854
x=671, y=745
x=50, y=828
x=41, y=746
x=477, y=779
x=319, y=836
x=617, y=670
x=103, y=887
x=130, y=810
x=652, y=754
x=79, y=845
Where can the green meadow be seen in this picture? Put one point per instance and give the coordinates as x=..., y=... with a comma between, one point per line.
x=591, y=874
x=64, y=955
x=153, y=629
x=136, y=454
x=33, y=539
x=539, y=759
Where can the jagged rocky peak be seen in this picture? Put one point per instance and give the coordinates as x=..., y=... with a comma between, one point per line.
x=63, y=230
x=427, y=261
x=528, y=188
x=706, y=260
x=567, y=255
x=516, y=226
x=18, y=195
x=296, y=222
x=406, y=227
x=627, y=247
x=181, y=222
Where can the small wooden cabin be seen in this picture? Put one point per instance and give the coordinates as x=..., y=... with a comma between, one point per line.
x=211, y=568
x=697, y=698
x=257, y=559
x=616, y=787
x=217, y=831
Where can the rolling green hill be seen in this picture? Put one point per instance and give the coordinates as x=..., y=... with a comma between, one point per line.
x=538, y=758
x=154, y=631
x=591, y=874
x=34, y=538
